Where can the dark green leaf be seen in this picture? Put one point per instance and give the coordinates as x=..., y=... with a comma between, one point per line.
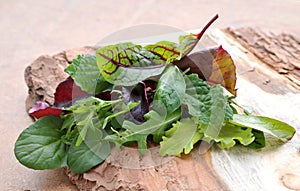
x=205, y=102
x=90, y=153
x=39, y=146
x=259, y=141
x=271, y=126
x=86, y=74
x=170, y=89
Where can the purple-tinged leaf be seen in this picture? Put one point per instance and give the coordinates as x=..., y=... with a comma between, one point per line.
x=214, y=65
x=137, y=93
x=67, y=92
x=42, y=109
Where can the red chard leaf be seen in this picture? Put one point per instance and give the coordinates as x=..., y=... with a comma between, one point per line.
x=126, y=64
x=223, y=71
x=67, y=92
x=213, y=65
x=42, y=109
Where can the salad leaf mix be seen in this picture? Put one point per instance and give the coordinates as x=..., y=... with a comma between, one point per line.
x=132, y=94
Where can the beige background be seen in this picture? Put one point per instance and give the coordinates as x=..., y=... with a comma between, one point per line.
x=31, y=28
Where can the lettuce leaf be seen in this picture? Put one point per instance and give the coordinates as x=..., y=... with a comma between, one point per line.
x=268, y=125
x=180, y=138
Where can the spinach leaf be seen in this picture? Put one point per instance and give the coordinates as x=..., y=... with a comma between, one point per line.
x=90, y=153
x=40, y=147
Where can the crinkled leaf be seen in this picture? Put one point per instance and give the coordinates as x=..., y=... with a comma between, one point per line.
x=126, y=64
x=180, y=138
x=229, y=134
x=214, y=65
x=90, y=153
x=204, y=102
x=170, y=89
x=271, y=126
x=259, y=141
x=39, y=146
x=86, y=74
x=42, y=109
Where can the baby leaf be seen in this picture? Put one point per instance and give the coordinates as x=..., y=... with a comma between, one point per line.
x=180, y=138
x=205, y=102
x=230, y=133
x=213, y=65
x=126, y=64
x=39, y=146
x=156, y=124
x=90, y=153
x=170, y=89
x=86, y=74
x=271, y=126
x=223, y=71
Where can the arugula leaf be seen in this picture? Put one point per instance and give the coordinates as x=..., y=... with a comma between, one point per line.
x=170, y=89
x=230, y=133
x=271, y=126
x=90, y=153
x=126, y=64
x=156, y=124
x=86, y=74
x=180, y=138
x=39, y=146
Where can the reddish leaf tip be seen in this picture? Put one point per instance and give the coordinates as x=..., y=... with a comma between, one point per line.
x=199, y=35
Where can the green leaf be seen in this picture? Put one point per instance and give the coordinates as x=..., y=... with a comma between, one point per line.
x=126, y=64
x=156, y=124
x=39, y=146
x=86, y=74
x=170, y=89
x=230, y=133
x=259, y=141
x=171, y=51
x=90, y=153
x=180, y=138
x=206, y=103
x=271, y=126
